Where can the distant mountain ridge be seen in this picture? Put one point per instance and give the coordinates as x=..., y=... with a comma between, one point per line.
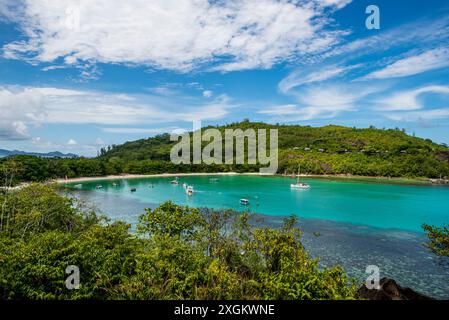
x=54, y=154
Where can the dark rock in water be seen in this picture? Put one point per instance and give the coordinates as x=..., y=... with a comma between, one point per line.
x=390, y=290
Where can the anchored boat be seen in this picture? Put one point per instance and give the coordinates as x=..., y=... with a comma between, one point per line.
x=299, y=185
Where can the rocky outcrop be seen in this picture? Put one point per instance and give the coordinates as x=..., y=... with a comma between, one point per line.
x=443, y=156
x=390, y=290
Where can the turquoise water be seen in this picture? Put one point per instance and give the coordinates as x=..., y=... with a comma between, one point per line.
x=359, y=223
x=402, y=207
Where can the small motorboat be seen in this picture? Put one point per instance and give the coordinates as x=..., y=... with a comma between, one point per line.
x=98, y=186
x=133, y=189
x=175, y=181
x=189, y=190
x=114, y=184
x=78, y=186
x=184, y=185
x=244, y=202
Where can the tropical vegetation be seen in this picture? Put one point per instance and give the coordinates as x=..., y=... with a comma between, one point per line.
x=176, y=253
x=438, y=239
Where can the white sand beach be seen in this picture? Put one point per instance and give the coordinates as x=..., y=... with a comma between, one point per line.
x=136, y=176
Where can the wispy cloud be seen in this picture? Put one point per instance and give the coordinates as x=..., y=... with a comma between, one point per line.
x=164, y=90
x=426, y=61
x=142, y=130
x=429, y=37
x=207, y=93
x=422, y=34
x=179, y=88
x=320, y=102
x=49, y=68
x=409, y=99
x=39, y=144
x=21, y=107
x=317, y=90
x=300, y=77
x=432, y=114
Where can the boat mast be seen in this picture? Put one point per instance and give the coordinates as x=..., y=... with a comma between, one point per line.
x=299, y=171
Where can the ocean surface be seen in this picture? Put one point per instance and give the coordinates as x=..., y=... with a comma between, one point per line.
x=359, y=223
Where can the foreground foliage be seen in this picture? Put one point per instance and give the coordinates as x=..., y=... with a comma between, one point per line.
x=438, y=239
x=177, y=253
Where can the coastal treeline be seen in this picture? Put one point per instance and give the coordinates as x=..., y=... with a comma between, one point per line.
x=35, y=169
x=328, y=150
x=176, y=252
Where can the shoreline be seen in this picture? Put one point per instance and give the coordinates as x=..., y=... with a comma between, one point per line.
x=137, y=176
x=392, y=180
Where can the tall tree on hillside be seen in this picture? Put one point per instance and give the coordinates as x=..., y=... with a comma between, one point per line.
x=9, y=171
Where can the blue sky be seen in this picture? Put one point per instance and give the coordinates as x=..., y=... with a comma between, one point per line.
x=79, y=75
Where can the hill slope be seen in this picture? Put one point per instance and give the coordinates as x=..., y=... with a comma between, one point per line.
x=324, y=150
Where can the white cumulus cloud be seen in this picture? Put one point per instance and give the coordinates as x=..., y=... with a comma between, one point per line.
x=178, y=35
x=72, y=142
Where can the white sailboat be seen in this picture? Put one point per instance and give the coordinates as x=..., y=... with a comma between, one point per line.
x=299, y=185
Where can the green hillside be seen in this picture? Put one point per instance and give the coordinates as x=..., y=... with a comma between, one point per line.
x=324, y=150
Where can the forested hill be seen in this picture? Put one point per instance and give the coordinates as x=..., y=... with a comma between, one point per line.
x=331, y=138
x=325, y=150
